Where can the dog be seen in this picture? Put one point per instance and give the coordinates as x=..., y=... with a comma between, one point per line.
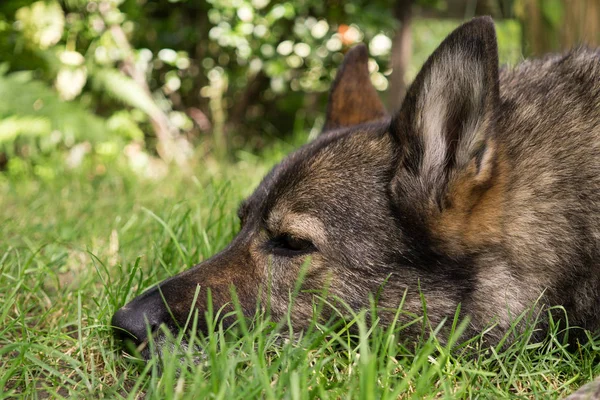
x=482, y=191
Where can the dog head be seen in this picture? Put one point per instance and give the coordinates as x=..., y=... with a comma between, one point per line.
x=376, y=204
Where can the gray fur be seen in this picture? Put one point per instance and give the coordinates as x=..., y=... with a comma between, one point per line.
x=482, y=191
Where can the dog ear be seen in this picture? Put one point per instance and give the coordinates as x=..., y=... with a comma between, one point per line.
x=353, y=99
x=446, y=122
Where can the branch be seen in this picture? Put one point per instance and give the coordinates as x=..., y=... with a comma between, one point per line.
x=168, y=135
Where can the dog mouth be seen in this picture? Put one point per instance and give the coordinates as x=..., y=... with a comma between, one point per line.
x=164, y=347
x=139, y=350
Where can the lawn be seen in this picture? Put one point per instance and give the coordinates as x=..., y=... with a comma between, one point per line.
x=79, y=244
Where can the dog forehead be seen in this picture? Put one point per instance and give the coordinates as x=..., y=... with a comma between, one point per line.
x=326, y=170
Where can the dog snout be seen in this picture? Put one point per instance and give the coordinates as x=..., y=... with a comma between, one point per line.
x=141, y=316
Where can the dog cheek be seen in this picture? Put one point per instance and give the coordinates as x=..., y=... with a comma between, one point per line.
x=295, y=279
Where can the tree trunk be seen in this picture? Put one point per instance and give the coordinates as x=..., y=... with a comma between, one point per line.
x=546, y=29
x=581, y=23
x=401, y=54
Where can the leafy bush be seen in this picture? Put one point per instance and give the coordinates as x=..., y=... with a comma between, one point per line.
x=165, y=73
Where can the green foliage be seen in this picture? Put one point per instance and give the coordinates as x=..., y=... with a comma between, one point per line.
x=14, y=126
x=124, y=90
x=48, y=50
x=256, y=63
x=244, y=58
x=290, y=46
x=31, y=108
x=123, y=124
x=242, y=70
x=41, y=24
x=553, y=12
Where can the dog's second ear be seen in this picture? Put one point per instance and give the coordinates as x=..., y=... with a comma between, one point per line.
x=353, y=99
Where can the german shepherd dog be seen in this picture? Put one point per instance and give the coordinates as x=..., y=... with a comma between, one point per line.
x=482, y=191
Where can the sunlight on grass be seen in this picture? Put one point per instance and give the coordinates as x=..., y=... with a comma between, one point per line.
x=78, y=247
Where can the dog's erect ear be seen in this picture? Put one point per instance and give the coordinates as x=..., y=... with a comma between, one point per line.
x=446, y=121
x=353, y=99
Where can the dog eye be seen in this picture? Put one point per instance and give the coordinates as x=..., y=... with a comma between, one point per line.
x=291, y=245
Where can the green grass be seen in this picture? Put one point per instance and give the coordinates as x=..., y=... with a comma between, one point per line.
x=78, y=245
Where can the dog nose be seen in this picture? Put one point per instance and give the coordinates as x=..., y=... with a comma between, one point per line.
x=142, y=315
x=129, y=324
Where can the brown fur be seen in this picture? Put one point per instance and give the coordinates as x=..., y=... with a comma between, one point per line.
x=353, y=100
x=473, y=216
x=482, y=191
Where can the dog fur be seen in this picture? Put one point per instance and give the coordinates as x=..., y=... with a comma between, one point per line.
x=482, y=191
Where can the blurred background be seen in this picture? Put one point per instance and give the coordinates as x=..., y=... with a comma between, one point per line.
x=152, y=83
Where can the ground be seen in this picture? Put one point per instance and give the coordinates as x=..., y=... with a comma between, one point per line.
x=77, y=244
